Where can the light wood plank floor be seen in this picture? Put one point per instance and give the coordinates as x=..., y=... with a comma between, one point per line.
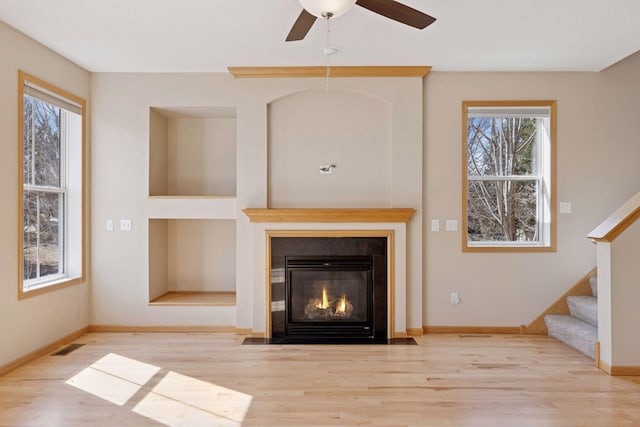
x=195, y=379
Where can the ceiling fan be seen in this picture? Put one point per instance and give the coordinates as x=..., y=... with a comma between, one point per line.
x=314, y=9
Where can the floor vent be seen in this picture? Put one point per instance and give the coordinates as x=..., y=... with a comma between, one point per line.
x=68, y=349
x=475, y=336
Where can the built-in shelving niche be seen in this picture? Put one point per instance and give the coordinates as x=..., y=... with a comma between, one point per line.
x=192, y=152
x=192, y=262
x=192, y=205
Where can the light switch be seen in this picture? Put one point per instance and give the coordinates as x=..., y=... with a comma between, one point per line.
x=109, y=225
x=435, y=225
x=455, y=298
x=565, y=207
x=125, y=225
x=452, y=225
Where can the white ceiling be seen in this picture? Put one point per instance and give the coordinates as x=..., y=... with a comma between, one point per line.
x=210, y=35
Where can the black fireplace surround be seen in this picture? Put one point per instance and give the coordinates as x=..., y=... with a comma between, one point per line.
x=328, y=289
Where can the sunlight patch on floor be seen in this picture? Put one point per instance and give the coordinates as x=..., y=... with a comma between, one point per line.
x=114, y=378
x=176, y=400
x=181, y=400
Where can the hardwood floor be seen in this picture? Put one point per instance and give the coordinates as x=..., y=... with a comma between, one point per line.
x=200, y=379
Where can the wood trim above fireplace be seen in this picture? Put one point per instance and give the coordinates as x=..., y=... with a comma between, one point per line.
x=336, y=71
x=401, y=215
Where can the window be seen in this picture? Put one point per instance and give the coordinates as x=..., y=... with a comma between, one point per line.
x=51, y=180
x=508, y=175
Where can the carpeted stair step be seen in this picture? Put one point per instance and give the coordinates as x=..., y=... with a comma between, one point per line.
x=584, y=308
x=576, y=333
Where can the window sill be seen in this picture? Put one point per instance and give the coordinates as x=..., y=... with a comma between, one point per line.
x=47, y=287
x=505, y=248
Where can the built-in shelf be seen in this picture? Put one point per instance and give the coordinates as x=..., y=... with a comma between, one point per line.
x=196, y=298
x=192, y=151
x=191, y=256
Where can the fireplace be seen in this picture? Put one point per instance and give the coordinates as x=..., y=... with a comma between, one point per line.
x=329, y=296
x=329, y=289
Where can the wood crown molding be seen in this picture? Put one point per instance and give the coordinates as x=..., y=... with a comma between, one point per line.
x=321, y=71
x=329, y=215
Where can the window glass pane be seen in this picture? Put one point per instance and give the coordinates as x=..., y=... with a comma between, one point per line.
x=42, y=148
x=501, y=146
x=43, y=224
x=502, y=211
x=30, y=235
x=27, y=162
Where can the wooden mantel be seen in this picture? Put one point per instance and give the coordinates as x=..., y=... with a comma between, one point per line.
x=330, y=215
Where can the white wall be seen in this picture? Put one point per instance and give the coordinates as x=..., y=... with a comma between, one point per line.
x=619, y=180
x=158, y=153
x=32, y=323
x=616, y=174
x=496, y=289
x=597, y=152
x=625, y=295
x=120, y=174
x=121, y=137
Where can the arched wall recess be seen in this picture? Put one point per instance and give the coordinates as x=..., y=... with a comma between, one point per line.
x=309, y=130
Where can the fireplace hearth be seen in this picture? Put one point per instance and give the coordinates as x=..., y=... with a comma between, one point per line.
x=328, y=289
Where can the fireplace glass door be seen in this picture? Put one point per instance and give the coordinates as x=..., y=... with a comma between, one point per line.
x=329, y=296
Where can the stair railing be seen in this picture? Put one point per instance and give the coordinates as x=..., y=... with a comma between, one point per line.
x=618, y=245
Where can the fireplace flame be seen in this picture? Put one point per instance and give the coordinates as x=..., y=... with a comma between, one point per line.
x=328, y=306
x=342, y=305
x=325, y=300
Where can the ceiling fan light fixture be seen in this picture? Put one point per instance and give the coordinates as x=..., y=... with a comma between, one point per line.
x=327, y=8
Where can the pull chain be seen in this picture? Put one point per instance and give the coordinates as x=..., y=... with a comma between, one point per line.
x=327, y=51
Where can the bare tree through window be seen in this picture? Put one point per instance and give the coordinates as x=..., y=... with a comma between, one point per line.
x=51, y=187
x=43, y=192
x=507, y=159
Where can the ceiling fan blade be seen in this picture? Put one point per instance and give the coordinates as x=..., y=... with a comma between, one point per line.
x=302, y=26
x=398, y=12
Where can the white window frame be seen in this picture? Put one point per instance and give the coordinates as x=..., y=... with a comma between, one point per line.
x=72, y=186
x=544, y=176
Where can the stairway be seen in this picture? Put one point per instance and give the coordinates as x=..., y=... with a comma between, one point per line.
x=580, y=328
